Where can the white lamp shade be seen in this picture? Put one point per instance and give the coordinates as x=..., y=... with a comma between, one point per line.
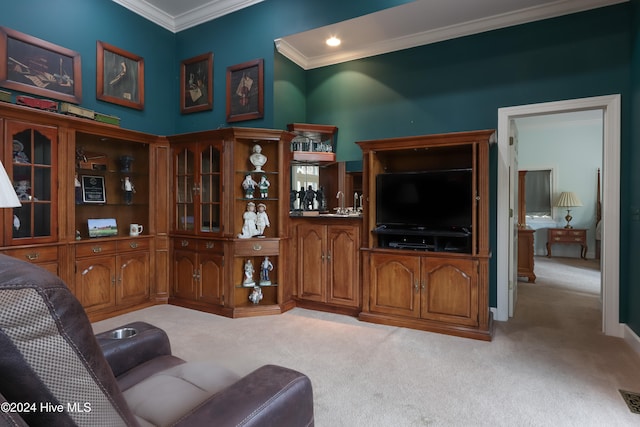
x=8, y=197
x=568, y=199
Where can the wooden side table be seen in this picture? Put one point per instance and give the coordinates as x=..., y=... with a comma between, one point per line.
x=568, y=236
x=525, y=254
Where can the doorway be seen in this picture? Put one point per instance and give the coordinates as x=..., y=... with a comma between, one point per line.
x=610, y=105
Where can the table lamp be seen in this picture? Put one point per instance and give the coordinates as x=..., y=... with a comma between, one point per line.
x=568, y=200
x=8, y=197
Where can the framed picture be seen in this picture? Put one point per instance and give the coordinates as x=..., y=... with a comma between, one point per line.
x=120, y=76
x=245, y=91
x=102, y=227
x=35, y=66
x=93, y=189
x=196, y=84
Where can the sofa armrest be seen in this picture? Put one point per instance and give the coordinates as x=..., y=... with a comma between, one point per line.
x=124, y=354
x=269, y=396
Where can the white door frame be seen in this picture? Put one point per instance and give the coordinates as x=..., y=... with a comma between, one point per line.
x=610, y=252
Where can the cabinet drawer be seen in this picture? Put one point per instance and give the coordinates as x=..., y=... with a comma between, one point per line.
x=210, y=246
x=132, y=245
x=256, y=247
x=182, y=243
x=40, y=254
x=94, y=249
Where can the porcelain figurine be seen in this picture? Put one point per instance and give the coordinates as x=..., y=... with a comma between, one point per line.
x=248, y=274
x=256, y=295
x=249, y=186
x=262, y=219
x=249, y=227
x=129, y=190
x=265, y=267
x=264, y=187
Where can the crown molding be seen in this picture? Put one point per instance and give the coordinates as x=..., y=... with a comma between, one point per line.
x=212, y=10
x=536, y=13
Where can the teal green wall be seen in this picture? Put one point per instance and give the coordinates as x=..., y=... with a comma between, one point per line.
x=79, y=24
x=289, y=93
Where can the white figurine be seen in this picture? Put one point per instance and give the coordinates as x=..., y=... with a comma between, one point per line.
x=262, y=219
x=248, y=274
x=257, y=159
x=249, y=186
x=249, y=227
x=264, y=187
x=265, y=268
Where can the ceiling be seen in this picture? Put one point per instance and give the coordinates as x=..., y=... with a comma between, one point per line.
x=409, y=25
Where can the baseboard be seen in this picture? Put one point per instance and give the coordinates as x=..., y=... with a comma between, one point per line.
x=632, y=339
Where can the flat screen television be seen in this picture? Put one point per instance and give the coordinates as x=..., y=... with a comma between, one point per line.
x=432, y=200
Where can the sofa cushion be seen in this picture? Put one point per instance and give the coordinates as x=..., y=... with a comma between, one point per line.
x=164, y=397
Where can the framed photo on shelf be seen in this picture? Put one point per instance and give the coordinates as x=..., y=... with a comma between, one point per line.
x=120, y=76
x=36, y=66
x=102, y=227
x=196, y=83
x=245, y=91
x=93, y=189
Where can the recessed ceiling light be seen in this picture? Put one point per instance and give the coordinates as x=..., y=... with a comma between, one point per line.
x=333, y=41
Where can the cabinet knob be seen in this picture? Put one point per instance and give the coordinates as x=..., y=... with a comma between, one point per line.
x=257, y=247
x=209, y=245
x=133, y=245
x=184, y=243
x=32, y=256
x=416, y=286
x=96, y=249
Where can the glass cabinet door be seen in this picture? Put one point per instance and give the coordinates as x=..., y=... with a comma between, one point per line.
x=210, y=189
x=35, y=181
x=184, y=190
x=198, y=188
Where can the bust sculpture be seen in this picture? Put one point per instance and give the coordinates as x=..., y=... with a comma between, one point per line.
x=257, y=159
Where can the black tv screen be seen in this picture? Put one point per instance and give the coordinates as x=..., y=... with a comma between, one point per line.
x=435, y=200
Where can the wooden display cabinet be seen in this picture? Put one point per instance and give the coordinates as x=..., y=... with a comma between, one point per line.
x=431, y=287
x=113, y=161
x=210, y=202
x=47, y=153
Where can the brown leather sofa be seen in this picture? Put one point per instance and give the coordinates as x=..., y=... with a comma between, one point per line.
x=55, y=372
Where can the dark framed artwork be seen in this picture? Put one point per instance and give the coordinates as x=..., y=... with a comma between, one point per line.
x=196, y=88
x=245, y=91
x=36, y=66
x=120, y=76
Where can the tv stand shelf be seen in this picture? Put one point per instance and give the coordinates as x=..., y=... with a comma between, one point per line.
x=424, y=240
x=434, y=278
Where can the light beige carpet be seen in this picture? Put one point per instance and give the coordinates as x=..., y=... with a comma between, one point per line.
x=549, y=366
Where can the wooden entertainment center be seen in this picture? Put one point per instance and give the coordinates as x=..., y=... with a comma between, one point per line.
x=423, y=285
x=189, y=202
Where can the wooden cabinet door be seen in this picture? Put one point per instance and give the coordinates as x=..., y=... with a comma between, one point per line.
x=343, y=275
x=312, y=259
x=184, y=274
x=395, y=284
x=210, y=284
x=31, y=163
x=133, y=278
x=450, y=290
x=95, y=282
